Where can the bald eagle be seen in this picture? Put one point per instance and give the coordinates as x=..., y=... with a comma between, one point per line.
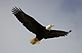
x=33, y=26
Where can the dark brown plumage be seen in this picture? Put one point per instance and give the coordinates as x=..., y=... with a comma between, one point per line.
x=33, y=26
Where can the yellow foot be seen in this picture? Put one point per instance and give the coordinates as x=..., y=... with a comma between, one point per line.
x=34, y=41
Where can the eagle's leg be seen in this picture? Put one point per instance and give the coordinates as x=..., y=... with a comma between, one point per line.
x=34, y=41
x=48, y=27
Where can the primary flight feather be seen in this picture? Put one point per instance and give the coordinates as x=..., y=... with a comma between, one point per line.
x=33, y=26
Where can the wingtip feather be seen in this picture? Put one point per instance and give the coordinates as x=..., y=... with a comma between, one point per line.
x=70, y=31
x=16, y=10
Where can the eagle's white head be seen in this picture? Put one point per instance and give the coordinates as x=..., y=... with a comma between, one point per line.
x=48, y=27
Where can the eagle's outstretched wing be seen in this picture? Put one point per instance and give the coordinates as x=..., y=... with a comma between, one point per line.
x=56, y=33
x=29, y=22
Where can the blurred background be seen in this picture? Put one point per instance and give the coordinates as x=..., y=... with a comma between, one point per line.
x=64, y=14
